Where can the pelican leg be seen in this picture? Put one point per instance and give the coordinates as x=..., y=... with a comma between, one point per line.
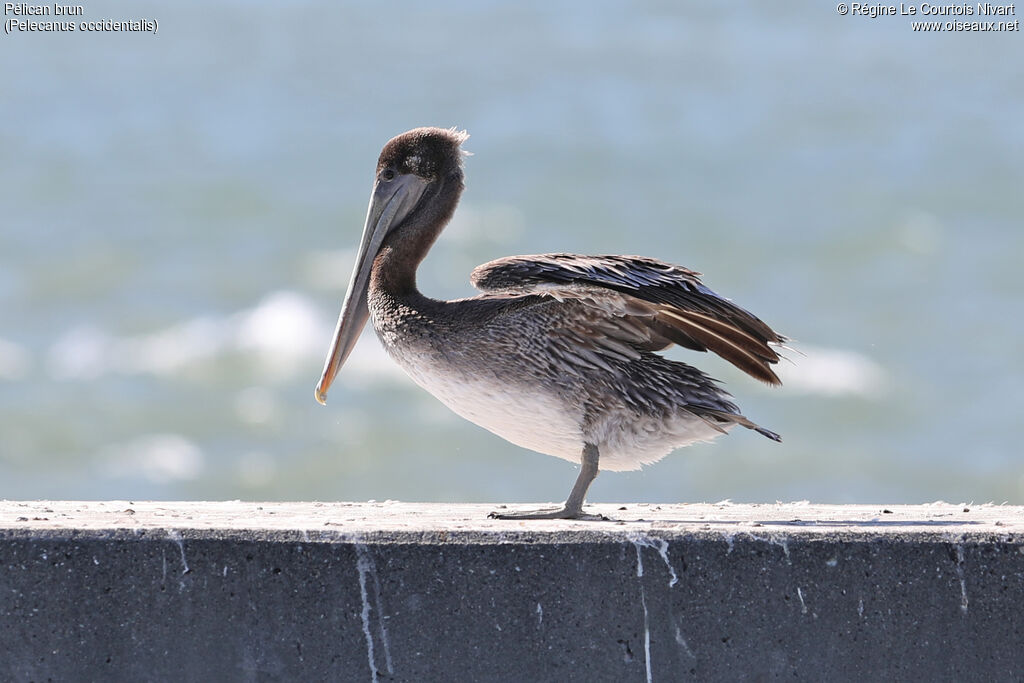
x=573, y=508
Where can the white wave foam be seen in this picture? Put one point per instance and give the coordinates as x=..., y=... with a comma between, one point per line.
x=833, y=372
x=160, y=458
x=82, y=353
x=172, y=349
x=285, y=329
x=284, y=334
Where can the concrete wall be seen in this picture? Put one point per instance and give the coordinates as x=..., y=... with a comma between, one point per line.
x=381, y=592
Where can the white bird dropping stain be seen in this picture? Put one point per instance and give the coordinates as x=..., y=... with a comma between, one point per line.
x=175, y=536
x=661, y=545
x=641, y=541
x=643, y=602
x=365, y=566
x=682, y=642
x=773, y=539
x=729, y=537
x=963, y=578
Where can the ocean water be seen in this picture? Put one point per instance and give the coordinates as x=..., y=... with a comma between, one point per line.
x=180, y=213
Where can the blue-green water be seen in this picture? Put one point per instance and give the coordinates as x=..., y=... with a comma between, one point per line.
x=180, y=213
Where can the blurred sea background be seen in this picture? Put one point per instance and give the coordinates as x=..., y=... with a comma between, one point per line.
x=180, y=214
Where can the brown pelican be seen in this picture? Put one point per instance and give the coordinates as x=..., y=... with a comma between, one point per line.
x=557, y=354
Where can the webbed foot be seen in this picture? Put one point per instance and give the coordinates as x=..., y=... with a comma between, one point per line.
x=556, y=513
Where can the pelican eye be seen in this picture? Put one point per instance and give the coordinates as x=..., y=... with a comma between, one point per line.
x=388, y=174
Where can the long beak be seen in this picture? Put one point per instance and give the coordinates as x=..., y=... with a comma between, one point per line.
x=390, y=203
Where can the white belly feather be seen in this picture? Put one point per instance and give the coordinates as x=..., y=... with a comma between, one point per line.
x=542, y=422
x=536, y=421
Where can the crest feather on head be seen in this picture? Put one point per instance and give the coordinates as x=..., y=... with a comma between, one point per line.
x=427, y=152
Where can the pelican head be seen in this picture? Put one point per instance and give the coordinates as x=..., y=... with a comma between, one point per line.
x=415, y=191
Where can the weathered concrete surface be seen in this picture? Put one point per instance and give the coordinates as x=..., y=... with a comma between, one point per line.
x=390, y=591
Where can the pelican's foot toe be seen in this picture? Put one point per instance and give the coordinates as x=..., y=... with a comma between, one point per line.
x=556, y=513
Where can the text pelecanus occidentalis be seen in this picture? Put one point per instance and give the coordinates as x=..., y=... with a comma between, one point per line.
x=557, y=354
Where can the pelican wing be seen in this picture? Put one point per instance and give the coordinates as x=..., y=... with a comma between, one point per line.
x=633, y=304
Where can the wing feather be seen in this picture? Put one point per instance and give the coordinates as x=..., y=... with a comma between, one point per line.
x=633, y=304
